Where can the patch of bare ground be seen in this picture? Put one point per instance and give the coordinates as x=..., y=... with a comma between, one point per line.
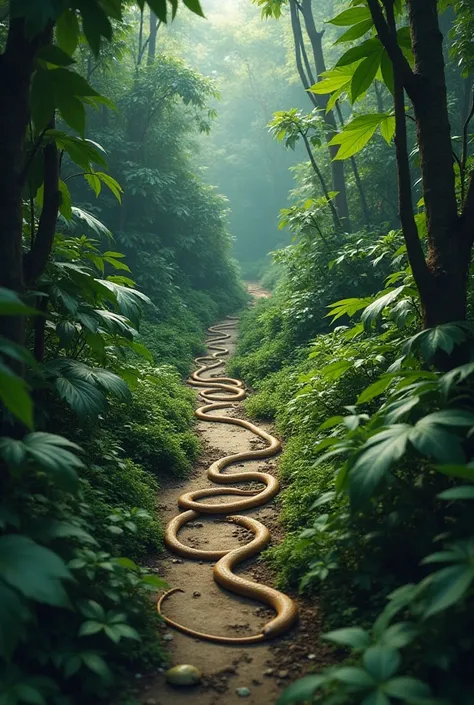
x=254, y=674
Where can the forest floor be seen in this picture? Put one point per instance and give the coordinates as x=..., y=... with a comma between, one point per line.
x=264, y=669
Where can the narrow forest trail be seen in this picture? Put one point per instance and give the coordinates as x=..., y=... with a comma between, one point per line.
x=265, y=668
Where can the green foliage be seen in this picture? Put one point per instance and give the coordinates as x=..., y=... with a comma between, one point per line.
x=80, y=465
x=154, y=429
x=377, y=465
x=359, y=131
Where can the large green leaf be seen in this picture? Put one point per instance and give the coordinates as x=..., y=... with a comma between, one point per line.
x=374, y=310
x=71, y=83
x=355, y=637
x=83, y=397
x=450, y=417
x=91, y=221
x=67, y=31
x=351, y=17
x=386, y=69
x=376, y=458
x=407, y=689
x=54, y=55
x=374, y=390
x=302, y=690
x=433, y=441
x=83, y=152
x=112, y=383
x=15, y=396
x=194, y=6
x=396, y=636
x=95, y=24
x=159, y=8
x=463, y=492
x=356, y=31
x=33, y=570
x=347, y=307
x=115, y=323
x=455, y=376
x=111, y=184
x=357, y=678
x=444, y=337
x=72, y=111
x=387, y=128
x=357, y=133
x=54, y=456
x=333, y=80
x=381, y=662
x=465, y=472
x=447, y=586
x=13, y=611
x=357, y=53
x=12, y=305
x=129, y=301
x=365, y=74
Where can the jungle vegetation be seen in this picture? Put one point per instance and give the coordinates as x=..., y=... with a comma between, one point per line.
x=363, y=356
x=352, y=120
x=115, y=255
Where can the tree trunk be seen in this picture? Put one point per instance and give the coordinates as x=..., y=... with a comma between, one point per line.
x=16, y=68
x=442, y=277
x=337, y=166
x=305, y=74
x=140, y=40
x=444, y=296
x=152, y=39
x=36, y=259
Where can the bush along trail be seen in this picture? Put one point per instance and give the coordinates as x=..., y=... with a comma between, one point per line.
x=233, y=647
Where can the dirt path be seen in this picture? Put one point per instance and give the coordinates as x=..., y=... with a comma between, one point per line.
x=264, y=669
x=256, y=291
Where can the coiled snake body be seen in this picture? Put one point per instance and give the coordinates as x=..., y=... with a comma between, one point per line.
x=222, y=393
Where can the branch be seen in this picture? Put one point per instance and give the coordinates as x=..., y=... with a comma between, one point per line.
x=415, y=252
x=389, y=40
x=35, y=260
x=79, y=173
x=355, y=171
x=140, y=38
x=298, y=41
x=32, y=155
x=337, y=222
x=306, y=61
x=141, y=53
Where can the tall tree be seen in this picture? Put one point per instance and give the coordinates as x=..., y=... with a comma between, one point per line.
x=154, y=26
x=441, y=275
x=35, y=81
x=310, y=70
x=412, y=64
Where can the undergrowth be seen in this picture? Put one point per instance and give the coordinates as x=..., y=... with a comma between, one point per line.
x=376, y=442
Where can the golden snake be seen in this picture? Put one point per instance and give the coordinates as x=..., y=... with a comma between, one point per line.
x=222, y=393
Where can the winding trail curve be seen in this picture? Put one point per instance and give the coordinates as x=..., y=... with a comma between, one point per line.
x=221, y=393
